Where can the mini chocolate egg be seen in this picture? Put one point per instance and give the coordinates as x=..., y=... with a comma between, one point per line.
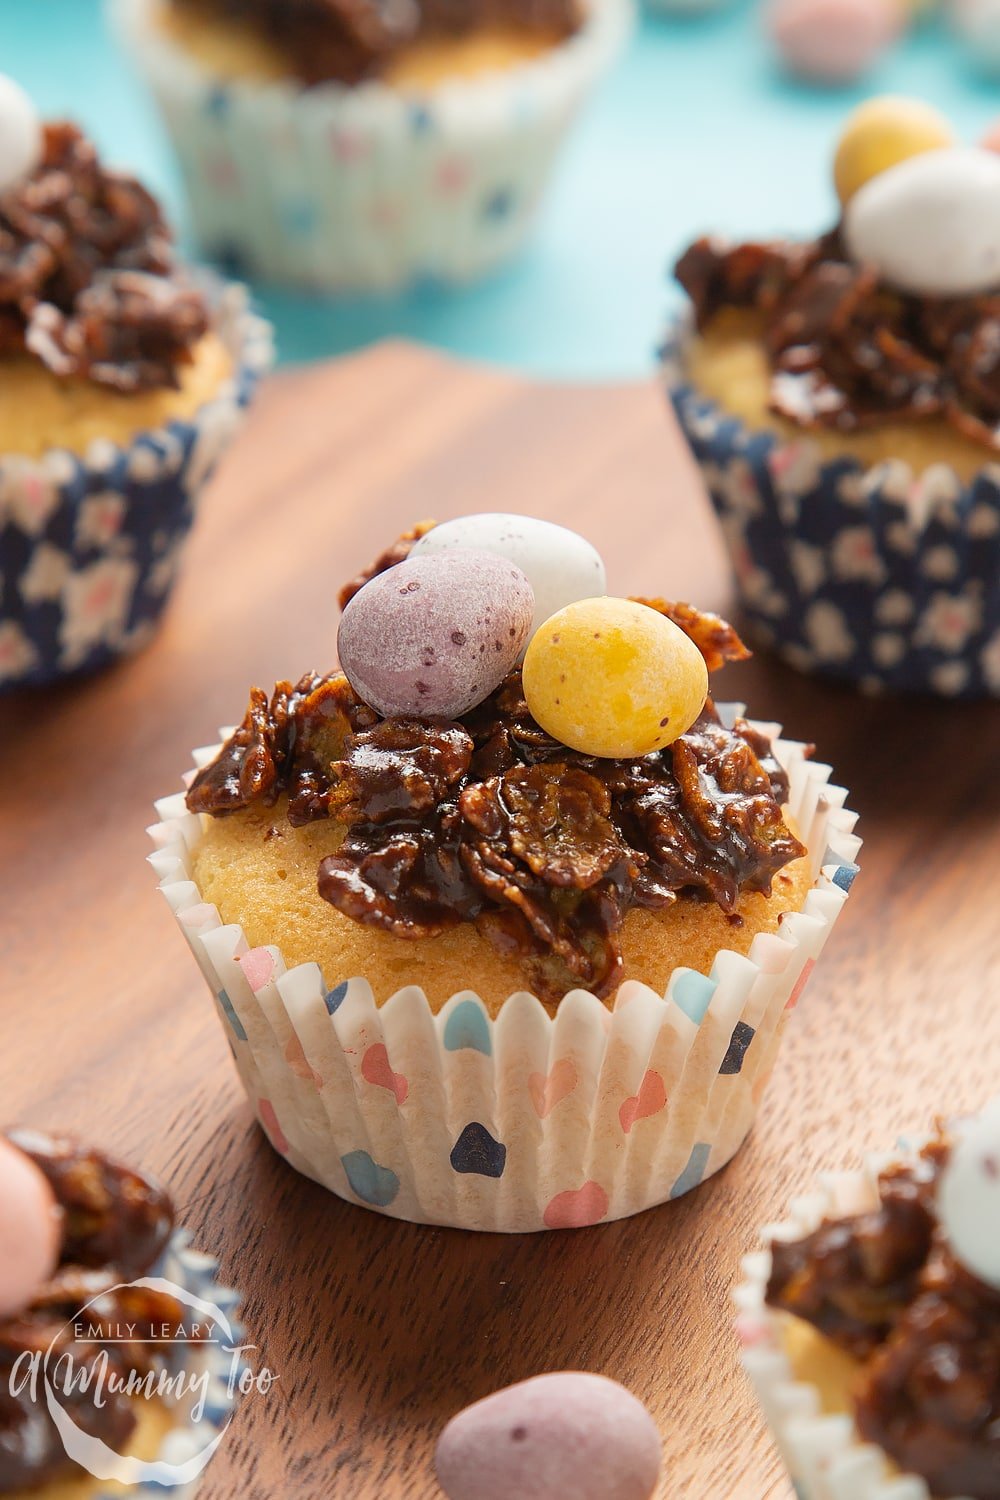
x=977, y=23
x=833, y=41
x=968, y=1198
x=560, y=565
x=552, y=1438
x=30, y=1230
x=883, y=132
x=434, y=636
x=931, y=224
x=20, y=134
x=612, y=678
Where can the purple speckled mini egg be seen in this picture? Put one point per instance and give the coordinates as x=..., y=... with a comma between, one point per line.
x=434, y=636
x=552, y=1438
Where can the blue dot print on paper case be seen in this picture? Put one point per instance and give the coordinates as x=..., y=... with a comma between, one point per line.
x=373, y=1184
x=335, y=998
x=693, y=1172
x=217, y=104
x=500, y=205
x=845, y=877
x=229, y=1011
x=467, y=1027
x=693, y=992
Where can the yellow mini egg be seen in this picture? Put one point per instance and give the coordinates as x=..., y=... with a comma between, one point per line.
x=612, y=678
x=882, y=133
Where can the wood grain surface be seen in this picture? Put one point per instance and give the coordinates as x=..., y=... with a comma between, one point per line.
x=380, y=1331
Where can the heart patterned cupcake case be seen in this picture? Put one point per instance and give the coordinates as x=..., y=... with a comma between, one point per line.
x=530, y=1121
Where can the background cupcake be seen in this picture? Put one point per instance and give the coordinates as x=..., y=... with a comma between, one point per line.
x=116, y=1343
x=501, y=948
x=870, y=1328
x=376, y=145
x=122, y=381
x=841, y=398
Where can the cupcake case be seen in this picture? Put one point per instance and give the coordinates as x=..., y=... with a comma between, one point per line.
x=824, y=1453
x=340, y=188
x=177, y=1468
x=90, y=546
x=866, y=575
x=526, y=1122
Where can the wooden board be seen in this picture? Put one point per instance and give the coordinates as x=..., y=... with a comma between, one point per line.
x=380, y=1331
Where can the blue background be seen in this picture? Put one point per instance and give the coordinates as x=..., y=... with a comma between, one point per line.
x=696, y=129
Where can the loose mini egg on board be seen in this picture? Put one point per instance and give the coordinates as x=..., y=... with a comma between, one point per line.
x=931, y=224
x=880, y=134
x=30, y=1230
x=612, y=678
x=968, y=1199
x=977, y=24
x=565, y=1436
x=20, y=134
x=435, y=635
x=560, y=565
x=833, y=41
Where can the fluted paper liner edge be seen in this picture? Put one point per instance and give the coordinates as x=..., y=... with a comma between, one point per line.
x=824, y=1453
x=529, y=1121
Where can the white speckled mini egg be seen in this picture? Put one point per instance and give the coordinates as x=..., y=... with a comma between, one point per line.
x=560, y=565
x=969, y=1195
x=552, y=1438
x=20, y=134
x=434, y=636
x=931, y=224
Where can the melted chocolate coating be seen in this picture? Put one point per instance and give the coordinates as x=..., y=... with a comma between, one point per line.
x=87, y=280
x=491, y=821
x=885, y=1287
x=848, y=352
x=116, y=1224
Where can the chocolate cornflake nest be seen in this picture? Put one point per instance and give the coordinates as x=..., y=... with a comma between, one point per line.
x=885, y=1287
x=87, y=274
x=848, y=352
x=560, y=18
x=116, y=1224
x=490, y=820
x=347, y=41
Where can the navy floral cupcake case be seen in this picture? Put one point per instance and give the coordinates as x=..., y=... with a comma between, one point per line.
x=90, y=546
x=871, y=576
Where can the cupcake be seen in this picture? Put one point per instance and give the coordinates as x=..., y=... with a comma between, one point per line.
x=366, y=144
x=842, y=400
x=501, y=944
x=117, y=1356
x=871, y=1327
x=121, y=381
